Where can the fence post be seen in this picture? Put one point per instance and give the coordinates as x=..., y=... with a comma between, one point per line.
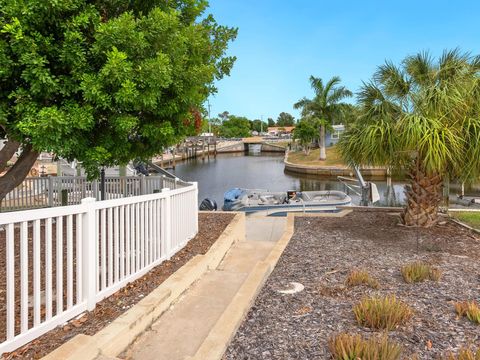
x=167, y=224
x=195, y=184
x=50, y=191
x=142, y=185
x=95, y=189
x=64, y=197
x=89, y=254
x=102, y=185
x=163, y=182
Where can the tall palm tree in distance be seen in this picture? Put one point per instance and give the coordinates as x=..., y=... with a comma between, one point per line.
x=422, y=116
x=326, y=107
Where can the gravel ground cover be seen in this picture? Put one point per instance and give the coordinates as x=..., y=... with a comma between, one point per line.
x=322, y=253
x=211, y=225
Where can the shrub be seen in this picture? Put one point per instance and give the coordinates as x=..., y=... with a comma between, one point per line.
x=419, y=271
x=464, y=354
x=469, y=309
x=361, y=277
x=353, y=347
x=382, y=312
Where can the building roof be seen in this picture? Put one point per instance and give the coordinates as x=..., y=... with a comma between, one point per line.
x=287, y=129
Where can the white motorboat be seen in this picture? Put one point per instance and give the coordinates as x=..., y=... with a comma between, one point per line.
x=280, y=203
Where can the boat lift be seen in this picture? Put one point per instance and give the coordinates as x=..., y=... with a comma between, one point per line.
x=367, y=191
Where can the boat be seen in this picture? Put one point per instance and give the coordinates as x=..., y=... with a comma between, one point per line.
x=280, y=203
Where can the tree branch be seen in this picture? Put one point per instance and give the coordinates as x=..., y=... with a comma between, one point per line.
x=8, y=150
x=19, y=171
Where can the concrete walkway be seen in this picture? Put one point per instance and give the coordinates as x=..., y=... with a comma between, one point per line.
x=182, y=329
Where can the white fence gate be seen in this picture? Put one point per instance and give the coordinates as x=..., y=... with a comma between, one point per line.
x=56, y=263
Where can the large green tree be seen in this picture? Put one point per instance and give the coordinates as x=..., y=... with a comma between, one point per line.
x=258, y=125
x=305, y=132
x=326, y=107
x=285, y=119
x=235, y=127
x=103, y=81
x=422, y=116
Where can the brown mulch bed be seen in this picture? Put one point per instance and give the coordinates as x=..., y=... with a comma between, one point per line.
x=211, y=225
x=321, y=254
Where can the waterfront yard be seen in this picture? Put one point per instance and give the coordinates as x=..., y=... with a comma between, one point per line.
x=369, y=249
x=333, y=158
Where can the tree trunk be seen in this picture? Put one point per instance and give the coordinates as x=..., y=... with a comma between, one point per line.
x=19, y=171
x=424, y=196
x=321, y=141
x=8, y=150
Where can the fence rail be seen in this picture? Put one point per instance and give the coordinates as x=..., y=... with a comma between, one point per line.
x=58, y=262
x=38, y=192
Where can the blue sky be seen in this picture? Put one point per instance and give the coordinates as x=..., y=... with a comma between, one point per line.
x=282, y=42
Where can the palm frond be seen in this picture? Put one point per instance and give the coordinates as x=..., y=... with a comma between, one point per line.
x=338, y=94
x=316, y=84
x=420, y=69
x=374, y=102
x=451, y=65
x=392, y=80
x=301, y=103
x=375, y=143
x=331, y=84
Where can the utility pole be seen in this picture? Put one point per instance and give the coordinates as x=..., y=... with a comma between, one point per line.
x=209, y=119
x=261, y=124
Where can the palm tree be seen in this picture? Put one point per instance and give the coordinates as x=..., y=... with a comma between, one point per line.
x=326, y=107
x=424, y=117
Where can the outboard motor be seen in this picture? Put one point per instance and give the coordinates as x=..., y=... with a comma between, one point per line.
x=208, y=205
x=141, y=168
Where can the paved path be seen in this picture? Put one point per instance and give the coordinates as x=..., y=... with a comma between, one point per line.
x=182, y=329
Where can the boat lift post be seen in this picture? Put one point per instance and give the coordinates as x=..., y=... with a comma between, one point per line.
x=364, y=186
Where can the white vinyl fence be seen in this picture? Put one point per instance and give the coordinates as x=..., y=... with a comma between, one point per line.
x=56, y=263
x=37, y=192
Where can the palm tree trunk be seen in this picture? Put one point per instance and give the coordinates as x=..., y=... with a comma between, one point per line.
x=323, y=153
x=424, y=196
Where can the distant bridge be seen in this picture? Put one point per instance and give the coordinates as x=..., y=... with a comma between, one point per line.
x=249, y=144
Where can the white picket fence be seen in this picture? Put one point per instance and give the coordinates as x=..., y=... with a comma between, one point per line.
x=56, y=263
x=37, y=192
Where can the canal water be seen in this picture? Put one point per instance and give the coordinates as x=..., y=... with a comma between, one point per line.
x=266, y=171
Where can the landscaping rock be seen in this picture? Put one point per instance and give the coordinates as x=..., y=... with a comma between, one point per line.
x=321, y=254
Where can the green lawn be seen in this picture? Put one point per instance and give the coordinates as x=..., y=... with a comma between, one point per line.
x=468, y=217
x=333, y=158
